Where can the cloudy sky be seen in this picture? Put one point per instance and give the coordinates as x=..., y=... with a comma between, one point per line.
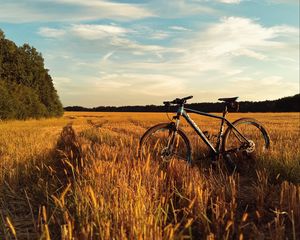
x=130, y=52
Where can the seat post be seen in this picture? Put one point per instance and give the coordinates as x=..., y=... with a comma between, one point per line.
x=225, y=110
x=218, y=145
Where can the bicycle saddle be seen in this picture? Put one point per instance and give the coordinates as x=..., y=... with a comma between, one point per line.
x=228, y=100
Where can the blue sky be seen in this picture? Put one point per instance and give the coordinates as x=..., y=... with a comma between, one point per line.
x=103, y=52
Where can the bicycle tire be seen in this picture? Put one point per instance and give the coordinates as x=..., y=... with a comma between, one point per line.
x=153, y=148
x=260, y=138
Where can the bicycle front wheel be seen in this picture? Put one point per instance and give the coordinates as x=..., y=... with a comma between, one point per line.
x=162, y=143
x=240, y=153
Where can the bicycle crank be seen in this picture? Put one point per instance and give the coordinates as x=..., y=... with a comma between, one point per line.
x=250, y=147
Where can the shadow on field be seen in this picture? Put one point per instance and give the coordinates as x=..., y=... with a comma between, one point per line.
x=92, y=186
x=22, y=194
x=28, y=197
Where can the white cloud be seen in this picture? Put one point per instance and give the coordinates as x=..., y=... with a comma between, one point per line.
x=285, y=30
x=159, y=35
x=216, y=50
x=179, y=28
x=51, y=11
x=121, y=89
x=61, y=80
x=127, y=44
x=272, y=81
x=113, y=39
x=241, y=36
x=107, y=56
x=94, y=32
x=51, y=32
x=180, y=8
x=21, y=13
x=145, y=32
x=230, y=1
x=108, y=9
x=250, y=53
x=148, y=84
x=207, y=58
x=264, y=87
x=61, y=83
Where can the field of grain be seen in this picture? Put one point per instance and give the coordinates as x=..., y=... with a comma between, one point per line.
x=78, y=177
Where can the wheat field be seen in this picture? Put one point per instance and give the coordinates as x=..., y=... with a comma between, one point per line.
x=78, y=177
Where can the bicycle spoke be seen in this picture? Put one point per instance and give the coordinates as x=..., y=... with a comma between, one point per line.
x=163, y=145
x=241, y=153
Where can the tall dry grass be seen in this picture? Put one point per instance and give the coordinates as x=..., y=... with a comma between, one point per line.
x=78, y=177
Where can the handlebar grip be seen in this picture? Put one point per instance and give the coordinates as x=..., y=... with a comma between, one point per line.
x=189, y=97
x=177, y=100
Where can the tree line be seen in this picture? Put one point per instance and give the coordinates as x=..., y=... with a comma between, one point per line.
x=286, y=104
x=26, y=88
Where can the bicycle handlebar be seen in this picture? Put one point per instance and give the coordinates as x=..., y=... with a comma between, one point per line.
x=178, y=100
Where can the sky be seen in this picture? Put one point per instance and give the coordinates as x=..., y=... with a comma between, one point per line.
x=136, y=52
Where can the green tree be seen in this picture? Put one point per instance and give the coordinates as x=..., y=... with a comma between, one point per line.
x=27, y=82
x=2, y=36
x=7, y=103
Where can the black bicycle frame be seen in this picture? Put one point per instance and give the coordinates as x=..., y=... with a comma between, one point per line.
x=182, y=112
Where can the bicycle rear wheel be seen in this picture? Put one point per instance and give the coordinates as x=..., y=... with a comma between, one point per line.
x=240, y=154
x=161, y=143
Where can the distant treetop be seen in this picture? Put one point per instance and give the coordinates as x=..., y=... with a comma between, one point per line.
x=286, y=104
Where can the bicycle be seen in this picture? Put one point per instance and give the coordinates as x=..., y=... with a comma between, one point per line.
x=243, y=138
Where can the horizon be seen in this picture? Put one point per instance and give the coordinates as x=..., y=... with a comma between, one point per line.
x=188, y=103
x=125, y=53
